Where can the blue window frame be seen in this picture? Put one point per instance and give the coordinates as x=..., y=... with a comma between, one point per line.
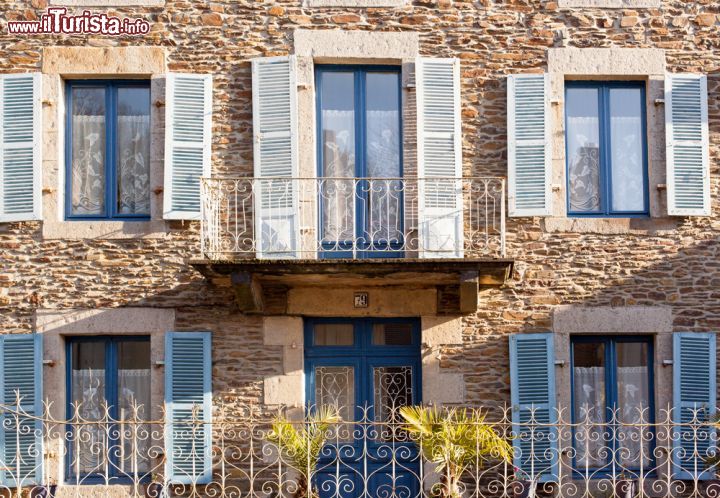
x=612, y=389
x=359, y=131
x=606, y=149
x=107, y=150
x=111, y=370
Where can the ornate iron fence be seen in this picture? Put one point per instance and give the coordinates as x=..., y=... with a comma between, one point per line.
x=352, y=217
x=626, y=454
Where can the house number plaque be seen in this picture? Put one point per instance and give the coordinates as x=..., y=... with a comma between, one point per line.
x=361, y=300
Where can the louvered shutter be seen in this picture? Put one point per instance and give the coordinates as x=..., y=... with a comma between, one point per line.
x=276, y=157
x=439, y=139
x=20, y=147
x=188, y=139
x=532, y=372
x=687, y=143
x=694, y=397
x=22, y=393
x=188, y=393
x=529, y=147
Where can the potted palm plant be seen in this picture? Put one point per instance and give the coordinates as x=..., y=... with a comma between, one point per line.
x=454, y=440
x=301, y=443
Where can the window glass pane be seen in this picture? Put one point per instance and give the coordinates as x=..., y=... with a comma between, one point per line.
x=633, y=392
x=382, y=102
x=133, y=151
x=589, y=402
x=392, y=334
x=335, y=386
x=583, y=149
x=392, y=389
x=627, y=143
x=337, y=139
x=134, y=404
x=334, y=334
x=88, y=399
x=382, y=115
x=87, y=169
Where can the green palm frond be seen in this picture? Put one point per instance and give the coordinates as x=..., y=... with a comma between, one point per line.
x=454, y=439
x=301, y=442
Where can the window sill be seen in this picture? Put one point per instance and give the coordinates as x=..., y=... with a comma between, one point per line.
x=610, y=4
x=104, y=229
x=610, y=226
x=108, y=3
x=360, y=4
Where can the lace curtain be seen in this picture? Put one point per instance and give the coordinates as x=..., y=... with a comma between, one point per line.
x=88, y=165
x=583, y=164
x=91, y=441
x=133, y=169
x=594, y=436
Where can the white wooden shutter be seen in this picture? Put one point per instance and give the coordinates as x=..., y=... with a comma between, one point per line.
x=20, y=147
x=439, y=138
x=188, y=398
x=275, y=123
x=687, y=144
x=188, y=139
x=529, y=146
x=22, y=434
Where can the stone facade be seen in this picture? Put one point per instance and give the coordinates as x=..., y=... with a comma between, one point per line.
x=669, y=263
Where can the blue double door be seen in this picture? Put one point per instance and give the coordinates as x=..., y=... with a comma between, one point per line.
x=367, y=369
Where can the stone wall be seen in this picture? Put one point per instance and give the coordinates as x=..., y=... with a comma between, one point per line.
x=667, y=262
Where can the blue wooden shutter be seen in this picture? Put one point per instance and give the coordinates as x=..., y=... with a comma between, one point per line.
x=20, y=147
x=687, y=144
x=439, y=141
x=188, y=395
x=188, y=140
x=529, y=146
x=532, y=373
x=694, y=398
x=22, y=393
x=275, y=124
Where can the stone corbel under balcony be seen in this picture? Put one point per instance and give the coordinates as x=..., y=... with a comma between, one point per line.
x=262, y=286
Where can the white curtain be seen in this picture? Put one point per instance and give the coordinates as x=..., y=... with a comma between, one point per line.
x=133, y=168
x=583, y=163
x=91, y=441
x=88, y=165
x=595, y=436
x=590, y=415
x=628, y=190
x=338, y=196
x=383, y=161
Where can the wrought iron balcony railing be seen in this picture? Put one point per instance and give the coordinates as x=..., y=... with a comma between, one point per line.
x=633, y=453
x=309, y=218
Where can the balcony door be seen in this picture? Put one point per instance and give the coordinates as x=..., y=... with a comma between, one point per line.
x=360, y=161
x=367, y=369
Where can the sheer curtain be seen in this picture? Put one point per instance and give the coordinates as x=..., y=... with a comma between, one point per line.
x=92, y=440
x=88, y=165
x=338, y=196
x=133, y=168
x=627, y=164
x=590, y=415
x=583, y=163
x=383, y=161
x=595, y=436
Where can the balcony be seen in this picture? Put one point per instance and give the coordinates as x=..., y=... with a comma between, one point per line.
x=419, y=231
x=376, y=455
